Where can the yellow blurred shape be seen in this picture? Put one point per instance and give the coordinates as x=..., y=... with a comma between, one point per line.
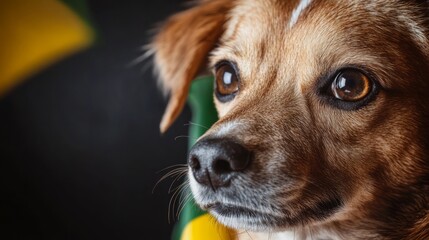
x=205, y=227
x=34, y=34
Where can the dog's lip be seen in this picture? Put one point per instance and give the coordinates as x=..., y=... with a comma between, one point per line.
x=224, y=209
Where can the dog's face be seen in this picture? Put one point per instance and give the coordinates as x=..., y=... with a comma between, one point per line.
x=323, y=111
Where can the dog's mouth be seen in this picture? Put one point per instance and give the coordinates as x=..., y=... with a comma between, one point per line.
x=229, y=210
x=259, y=210
x=241, y=217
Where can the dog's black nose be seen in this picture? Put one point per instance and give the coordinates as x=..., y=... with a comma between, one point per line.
x=214, y=162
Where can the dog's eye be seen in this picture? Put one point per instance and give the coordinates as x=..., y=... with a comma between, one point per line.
x=349, y=88
x=351, y=85
x=226, y=82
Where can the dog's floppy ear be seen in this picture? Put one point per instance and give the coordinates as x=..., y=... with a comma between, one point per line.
x=181, y=48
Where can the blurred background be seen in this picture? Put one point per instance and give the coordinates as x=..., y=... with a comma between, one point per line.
x=79, y=141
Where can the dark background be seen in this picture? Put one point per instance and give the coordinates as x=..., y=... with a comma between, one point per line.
x=79, y=142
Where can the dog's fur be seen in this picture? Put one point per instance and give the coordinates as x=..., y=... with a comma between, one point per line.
x=318, y=171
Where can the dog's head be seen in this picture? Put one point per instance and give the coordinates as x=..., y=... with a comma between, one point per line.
x=323, y=109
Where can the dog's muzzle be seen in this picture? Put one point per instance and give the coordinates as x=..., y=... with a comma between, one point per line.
x=214, y=162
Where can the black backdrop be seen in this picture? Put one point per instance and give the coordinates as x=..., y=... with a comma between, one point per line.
x=79, y=142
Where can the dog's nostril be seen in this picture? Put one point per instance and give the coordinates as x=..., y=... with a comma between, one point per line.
x=194, y=163
x=221, y=166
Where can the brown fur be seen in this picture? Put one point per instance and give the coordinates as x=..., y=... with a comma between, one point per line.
x=373, y=161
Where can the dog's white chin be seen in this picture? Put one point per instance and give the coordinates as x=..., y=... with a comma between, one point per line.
x=240, y=217
x=242, y=223
x=235, y=221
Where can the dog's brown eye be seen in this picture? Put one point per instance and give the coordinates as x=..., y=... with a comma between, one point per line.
x=226, y=82
x=351, y=86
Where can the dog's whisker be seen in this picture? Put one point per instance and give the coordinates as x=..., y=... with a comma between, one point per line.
x=184, y=136
x=181, y=136
x=174, y=172
x=175, y=196
x=196, y=124
x=177, y=187
x=170, y=174
x=250, y=236
x=177, y=178
x=176, y=192
x=183, y=199
x=172, y=201
x=179, y=169
x=173, y=166
x=187, y=198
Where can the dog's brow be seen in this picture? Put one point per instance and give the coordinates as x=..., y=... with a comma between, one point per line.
x=303, y=4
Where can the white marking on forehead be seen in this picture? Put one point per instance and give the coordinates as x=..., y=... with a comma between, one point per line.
x=303, y=4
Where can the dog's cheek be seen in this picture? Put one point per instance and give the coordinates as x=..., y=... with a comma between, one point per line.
x=372, y=151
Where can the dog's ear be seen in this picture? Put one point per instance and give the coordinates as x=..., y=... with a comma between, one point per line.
x=181, y=48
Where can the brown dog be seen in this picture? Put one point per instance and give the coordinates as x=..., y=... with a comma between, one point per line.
x=324, y=114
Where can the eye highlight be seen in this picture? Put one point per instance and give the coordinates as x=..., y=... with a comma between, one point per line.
x=226, y=80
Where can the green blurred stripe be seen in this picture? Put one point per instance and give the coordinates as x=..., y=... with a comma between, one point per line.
x=79, y=7
x=203, y=114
